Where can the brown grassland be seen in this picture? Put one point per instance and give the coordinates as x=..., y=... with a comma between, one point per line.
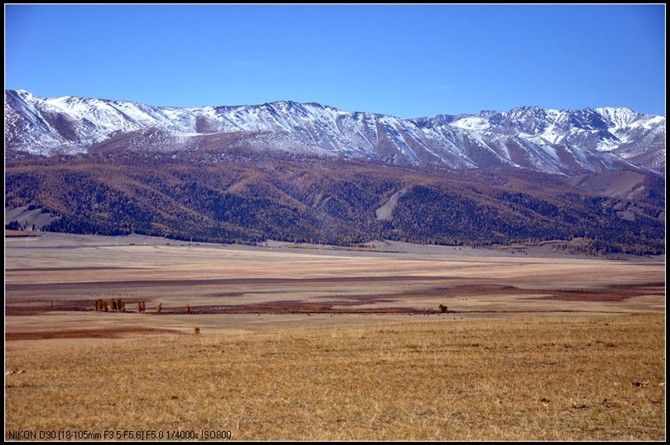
x=313, y=344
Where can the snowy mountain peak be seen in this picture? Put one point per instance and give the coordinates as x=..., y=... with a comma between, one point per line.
x=622, y=117
x=531, y=137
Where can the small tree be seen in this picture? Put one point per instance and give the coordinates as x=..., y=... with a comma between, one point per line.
x=159, y=308
x=443, y=309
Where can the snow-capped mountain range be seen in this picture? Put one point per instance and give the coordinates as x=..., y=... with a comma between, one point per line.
x=548, y=140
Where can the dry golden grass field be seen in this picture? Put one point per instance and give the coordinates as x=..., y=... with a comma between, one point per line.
x=319, y=344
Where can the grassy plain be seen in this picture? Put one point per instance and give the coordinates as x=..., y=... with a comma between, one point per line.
x=595, y=378
x=324, y=345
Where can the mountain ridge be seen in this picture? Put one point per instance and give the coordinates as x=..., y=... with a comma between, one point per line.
x=566, y=142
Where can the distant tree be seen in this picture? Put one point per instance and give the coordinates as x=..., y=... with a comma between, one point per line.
x=443, y=309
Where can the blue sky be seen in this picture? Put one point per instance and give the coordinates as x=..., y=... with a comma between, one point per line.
x=404, y=60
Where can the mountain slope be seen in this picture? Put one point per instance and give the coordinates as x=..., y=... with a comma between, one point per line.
x=546, y=140
x=250, y=197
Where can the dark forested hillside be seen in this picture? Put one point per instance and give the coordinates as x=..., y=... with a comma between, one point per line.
x=247, y=198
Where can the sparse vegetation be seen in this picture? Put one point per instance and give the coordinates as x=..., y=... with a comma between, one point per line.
x=565, y=379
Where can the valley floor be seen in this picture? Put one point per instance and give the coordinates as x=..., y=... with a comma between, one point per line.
x=317, y=343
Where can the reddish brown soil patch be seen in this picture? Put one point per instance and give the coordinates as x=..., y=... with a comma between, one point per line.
x=610, y=293
x=41, y=305
x=86, y=333
x=350, y=304
x=304, y=307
